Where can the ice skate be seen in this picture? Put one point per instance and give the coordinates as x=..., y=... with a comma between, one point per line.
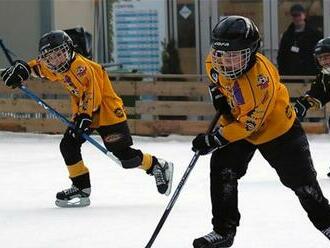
x=214, y=240
x=73, y=197
x=163, y=173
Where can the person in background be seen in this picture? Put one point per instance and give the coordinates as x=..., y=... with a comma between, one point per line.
x=295, y=55
x=95, y=106
x=260, y=118
x=319, y=93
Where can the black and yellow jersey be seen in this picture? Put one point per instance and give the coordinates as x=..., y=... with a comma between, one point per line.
x=260, y=104
x=319, y=93
x=90, y=89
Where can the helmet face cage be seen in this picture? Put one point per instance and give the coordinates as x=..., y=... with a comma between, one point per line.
x=230, y=64
x=57, y=59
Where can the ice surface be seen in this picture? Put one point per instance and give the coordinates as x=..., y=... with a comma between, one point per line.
x=126, y=207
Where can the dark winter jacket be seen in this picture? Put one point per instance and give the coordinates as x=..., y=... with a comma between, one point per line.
x=295, y=55
x=320, y=89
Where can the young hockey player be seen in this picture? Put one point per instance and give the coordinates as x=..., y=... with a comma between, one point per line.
x=319, y=93
x=260, y=117
x=95, y=106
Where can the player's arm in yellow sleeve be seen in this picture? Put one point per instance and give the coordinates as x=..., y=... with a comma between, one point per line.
x=74, y=106
x=250, y=120
x=86, y=100
x=35, y=68
x=40, y=71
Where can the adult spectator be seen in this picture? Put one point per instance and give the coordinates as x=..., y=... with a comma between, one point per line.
x=295, y=55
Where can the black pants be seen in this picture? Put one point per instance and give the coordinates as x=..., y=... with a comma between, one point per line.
x=289, y=155
x=116, y=138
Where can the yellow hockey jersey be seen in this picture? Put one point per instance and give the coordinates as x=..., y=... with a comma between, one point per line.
x=260, y=104
x=90, y=89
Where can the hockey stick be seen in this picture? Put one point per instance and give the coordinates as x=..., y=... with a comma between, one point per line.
x=180, y=186
x=67, y=122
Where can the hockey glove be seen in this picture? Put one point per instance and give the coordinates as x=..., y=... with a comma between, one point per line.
x=82, y=123
x=206, y=143
x=301, y=106
x=219, y=100
x=14, y=75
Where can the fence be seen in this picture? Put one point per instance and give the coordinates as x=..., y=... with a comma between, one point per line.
x=156, y=104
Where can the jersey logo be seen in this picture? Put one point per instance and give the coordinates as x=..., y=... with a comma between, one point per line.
x=256, y=114
x=262, y=81
x=113, y=138
x=218, y=43
x=81, y=71
x=237, y=93
x=250, y=125
x=85, y=101
x=119, y=112
x=70, y=86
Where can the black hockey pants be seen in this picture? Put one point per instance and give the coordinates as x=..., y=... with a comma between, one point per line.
x=116, y=138
x=289, y=155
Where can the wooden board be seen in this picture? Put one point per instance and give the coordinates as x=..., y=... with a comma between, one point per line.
x=174, y=108
x=191, y=92
x=161, y=88
x=32, y=125
x=30, y=106
x=137, y=127
x=166, y=127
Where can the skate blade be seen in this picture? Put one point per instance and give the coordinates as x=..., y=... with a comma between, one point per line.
x=170, y=178
x=73, y=203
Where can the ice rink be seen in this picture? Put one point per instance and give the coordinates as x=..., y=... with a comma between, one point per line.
x=126, y=206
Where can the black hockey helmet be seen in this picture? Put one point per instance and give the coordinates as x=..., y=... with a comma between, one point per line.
x=82, y=41
x=234, y=36
x=56, y=50
x=322, y=54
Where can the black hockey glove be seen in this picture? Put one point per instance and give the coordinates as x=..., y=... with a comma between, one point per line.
x=14, y=75
x=82, y=123
x=219, y=100
x=301, y=106
x=206, y=143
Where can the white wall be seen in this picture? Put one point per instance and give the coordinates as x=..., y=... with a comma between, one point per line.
x=20, y=28
x=73, y=13
x=21, y=22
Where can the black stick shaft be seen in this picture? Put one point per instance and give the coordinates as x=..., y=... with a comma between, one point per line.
x=6, y=52
x=179, y=187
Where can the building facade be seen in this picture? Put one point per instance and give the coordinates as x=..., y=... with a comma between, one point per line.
x=132, y=32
